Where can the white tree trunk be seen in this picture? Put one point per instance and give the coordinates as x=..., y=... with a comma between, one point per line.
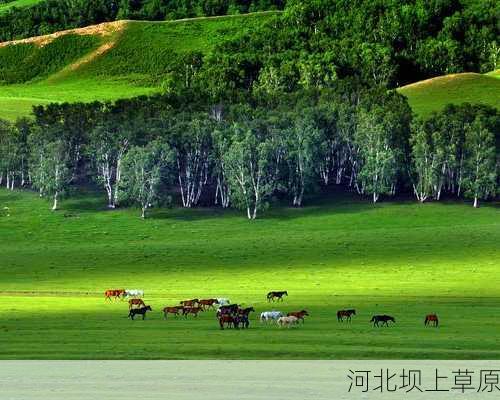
x=476, y=202
x=54, y=207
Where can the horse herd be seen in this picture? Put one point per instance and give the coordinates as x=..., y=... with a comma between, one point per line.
x=234, y=316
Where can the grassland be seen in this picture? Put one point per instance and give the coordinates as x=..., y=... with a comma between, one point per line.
x=401, y=258
x=433, y=94
x=4, y=7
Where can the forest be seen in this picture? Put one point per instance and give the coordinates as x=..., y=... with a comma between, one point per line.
x=168, y=150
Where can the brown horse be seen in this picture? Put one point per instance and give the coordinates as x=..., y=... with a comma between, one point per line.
x=136, y=302
x=245, y=311
x=208, y=303
x=299, y=314
x=113, y=293
x=276, y=295
x=189, y=303
x=345, y=313
x=191, y=310
x=172, y=310
x=431, y=318
x=229, y=320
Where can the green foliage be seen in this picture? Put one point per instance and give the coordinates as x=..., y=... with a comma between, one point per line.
x=23, y=62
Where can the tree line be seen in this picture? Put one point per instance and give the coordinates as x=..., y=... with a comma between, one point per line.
x=153, y=150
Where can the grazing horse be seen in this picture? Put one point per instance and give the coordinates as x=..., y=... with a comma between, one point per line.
x=172, y=310
x=191, y=310
x=133, y=293
x=432, y=318
x=345, y=313
x=189, y=303
x=134, y=311
x=299, y=314
x=267, y=316
x=136, y=302
x=113, y=293
x=287, y=321
x=276, y=295
x=245, y=311
x=382, y=318
x=208, y=303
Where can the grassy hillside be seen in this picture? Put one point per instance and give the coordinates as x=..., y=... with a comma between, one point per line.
x=404, y=259
x=106, y=62
x=17, y=3
x=433, y=94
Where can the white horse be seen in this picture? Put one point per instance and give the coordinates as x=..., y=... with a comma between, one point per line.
x=134, y=293
x=270, y=316
x=222, y=301
x=287, y=321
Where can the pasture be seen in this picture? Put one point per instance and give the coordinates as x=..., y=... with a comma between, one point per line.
x=399, y=258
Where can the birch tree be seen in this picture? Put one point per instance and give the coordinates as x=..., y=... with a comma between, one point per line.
x=249, y=168
x=300, y=144
x=142, y=174
x=109, y=143
x=379, y=159
x=50, y=172
x=192, y=148
x=221, y=142
x=480, y=171
x=424, y=163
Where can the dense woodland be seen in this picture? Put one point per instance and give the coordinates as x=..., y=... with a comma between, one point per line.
x=166, y=150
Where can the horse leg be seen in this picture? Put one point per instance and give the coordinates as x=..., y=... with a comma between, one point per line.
x=143, y=316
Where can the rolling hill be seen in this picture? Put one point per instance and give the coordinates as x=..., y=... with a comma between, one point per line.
x=120, y=59
x=433, y=94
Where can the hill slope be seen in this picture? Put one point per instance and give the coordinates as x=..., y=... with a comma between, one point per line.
x=433, y=94
x=106, y=62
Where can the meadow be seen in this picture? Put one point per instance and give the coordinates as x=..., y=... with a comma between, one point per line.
x=401, y=258
x=4, y=7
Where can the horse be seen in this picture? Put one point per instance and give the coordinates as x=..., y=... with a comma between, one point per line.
x=382, y=318
x=172, y=310
x=191, y=310
x=270, y=316
x=242, y=320
x=287, y=321
x=299, y=314
x=136, y=302
x=134, y=311
x=245, y=311
x=115, y=293
x=208, y=303
x=189, y=303
x=133, y=293
x=222, y=301
x=229, y=309
x=278, y=295
x=345, y=313
x=229, y=320
x=431, y=318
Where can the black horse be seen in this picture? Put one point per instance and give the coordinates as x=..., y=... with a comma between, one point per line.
x=276, y=295
x=142, y=311
x=231, y=309
x=345, y=313
x=382, y=318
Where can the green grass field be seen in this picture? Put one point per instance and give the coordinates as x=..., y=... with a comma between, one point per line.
x=433, y=94
x=118, y=69
x=401, y=258
x=4, y=7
